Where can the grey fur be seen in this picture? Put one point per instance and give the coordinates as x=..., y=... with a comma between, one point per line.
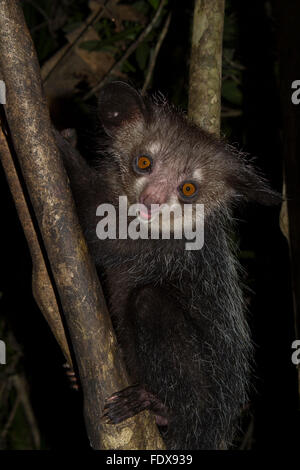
x=179, y=316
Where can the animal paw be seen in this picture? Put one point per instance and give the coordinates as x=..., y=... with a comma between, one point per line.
x=131, y=401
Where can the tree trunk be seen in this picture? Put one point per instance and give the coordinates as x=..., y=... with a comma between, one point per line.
x=206, y=64
x=101, y=370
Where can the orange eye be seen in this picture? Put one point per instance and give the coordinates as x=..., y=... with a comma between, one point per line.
x=188, y=189
x=143, y=164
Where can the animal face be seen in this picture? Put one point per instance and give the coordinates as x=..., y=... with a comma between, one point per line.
x=164, y=160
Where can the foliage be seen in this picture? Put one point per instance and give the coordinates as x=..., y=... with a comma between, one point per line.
x=50, y=21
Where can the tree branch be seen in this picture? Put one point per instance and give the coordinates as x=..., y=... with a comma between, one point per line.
x=128, y=52
x=101, y=369
x=93, y=19
x=156, y=52
x=41, y=285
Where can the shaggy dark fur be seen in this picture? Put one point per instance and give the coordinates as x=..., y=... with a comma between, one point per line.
x=179, y=315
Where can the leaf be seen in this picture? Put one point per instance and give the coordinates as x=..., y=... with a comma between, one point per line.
x=97, y=45
x=154, y=3
x=128, y=67
x=105, y=27
x=111, y=49
x=94, y=45
x=231, y=92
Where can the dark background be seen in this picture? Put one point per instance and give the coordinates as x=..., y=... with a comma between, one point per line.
x=252, y=33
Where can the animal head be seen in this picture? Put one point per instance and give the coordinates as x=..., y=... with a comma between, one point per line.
x=164, y=159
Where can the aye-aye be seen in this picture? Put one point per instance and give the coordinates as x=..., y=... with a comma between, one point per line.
x=178, y=314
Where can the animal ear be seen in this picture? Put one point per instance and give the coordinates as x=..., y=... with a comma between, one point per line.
x=120, y=104
x=248, y=184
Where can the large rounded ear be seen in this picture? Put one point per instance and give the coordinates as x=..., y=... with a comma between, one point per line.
x=247, y=184
x=120, y=104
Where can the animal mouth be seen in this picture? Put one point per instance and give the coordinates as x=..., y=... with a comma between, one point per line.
x=148, y=213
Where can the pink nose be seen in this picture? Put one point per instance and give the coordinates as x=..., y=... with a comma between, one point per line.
x=153, y=195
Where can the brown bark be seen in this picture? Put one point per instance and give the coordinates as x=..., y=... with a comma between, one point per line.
x=101, y=369
x=206, y=64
